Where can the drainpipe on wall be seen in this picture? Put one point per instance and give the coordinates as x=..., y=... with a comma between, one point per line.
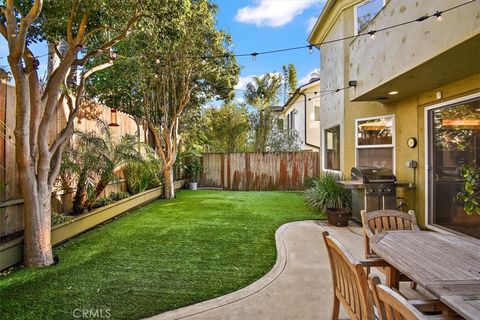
x=305, y=121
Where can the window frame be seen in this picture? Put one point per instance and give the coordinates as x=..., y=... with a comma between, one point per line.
x=355, y=15
x=377, y=146
x=324, y=143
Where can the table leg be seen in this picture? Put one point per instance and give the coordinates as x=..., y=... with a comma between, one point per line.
x=393, y=278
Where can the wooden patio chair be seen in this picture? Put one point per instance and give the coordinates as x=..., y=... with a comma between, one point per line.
x=379, y=221
x=350, y=284
x=390, y=305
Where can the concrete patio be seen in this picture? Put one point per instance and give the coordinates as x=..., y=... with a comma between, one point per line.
x=298, y=286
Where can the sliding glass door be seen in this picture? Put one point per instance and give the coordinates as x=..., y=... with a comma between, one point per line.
x=454, y=143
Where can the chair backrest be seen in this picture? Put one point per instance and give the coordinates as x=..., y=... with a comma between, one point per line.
x=379, y=221
x=391, y=305
x=349, y=281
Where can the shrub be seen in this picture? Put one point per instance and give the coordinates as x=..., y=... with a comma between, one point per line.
x=117, y=196
x=141, y=176
x=100, y=202
x=58, y=218
x=326, y=193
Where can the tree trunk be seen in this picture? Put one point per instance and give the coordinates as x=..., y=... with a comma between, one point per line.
x=169, y=187
x=80, y=193
x=37, y=208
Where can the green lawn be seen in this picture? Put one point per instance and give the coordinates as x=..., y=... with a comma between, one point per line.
x=163, y=256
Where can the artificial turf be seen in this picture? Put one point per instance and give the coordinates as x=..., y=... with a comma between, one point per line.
x=163, y=256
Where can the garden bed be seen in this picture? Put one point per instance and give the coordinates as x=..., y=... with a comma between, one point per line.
x=11, y=252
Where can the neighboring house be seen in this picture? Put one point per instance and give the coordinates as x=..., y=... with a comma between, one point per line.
x=416, y=97
x=302, y=114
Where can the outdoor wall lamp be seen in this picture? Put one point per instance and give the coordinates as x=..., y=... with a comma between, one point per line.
x=352, y=83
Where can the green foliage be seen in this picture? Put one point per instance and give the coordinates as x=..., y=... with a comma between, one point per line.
x=283, y=140
x=227, y=128
x=58, y=218
x=262, y=93
x=143, y=175
x=324, y=192
x=101, y=202
x=117, y=196
x=471, y=190
x=193, y=170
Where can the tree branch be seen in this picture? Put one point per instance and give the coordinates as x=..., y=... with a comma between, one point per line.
x=106, y=46
x=25, y=24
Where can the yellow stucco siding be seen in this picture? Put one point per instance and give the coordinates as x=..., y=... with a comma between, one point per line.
x=409, y=122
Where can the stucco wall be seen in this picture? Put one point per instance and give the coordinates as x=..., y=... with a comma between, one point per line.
x=373, y=62
x=334, y=75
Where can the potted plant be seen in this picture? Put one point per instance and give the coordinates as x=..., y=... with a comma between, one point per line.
x=326, y=195
x=193, y=170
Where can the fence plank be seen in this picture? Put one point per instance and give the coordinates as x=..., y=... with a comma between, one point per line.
x=258, y=171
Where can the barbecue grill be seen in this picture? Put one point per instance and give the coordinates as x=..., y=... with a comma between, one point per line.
x=376, y=190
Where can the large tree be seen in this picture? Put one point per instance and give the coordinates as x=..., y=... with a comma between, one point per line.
x=227, y=128
x=180, y=71
x=87, y=30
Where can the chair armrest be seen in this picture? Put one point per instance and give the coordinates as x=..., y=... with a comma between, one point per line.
x=374, y=262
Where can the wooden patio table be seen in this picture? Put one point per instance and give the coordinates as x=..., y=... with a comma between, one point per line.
x=446, y=265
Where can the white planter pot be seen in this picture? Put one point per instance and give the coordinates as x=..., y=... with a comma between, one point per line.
x=192, y=186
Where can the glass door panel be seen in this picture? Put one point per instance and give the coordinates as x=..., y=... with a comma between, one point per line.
x=454, y=140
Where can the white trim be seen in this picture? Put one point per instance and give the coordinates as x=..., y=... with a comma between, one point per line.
x=382, y=146
x=426, y=130
x=323, y=149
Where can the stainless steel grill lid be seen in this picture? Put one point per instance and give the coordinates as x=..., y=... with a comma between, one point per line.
x=373, y=175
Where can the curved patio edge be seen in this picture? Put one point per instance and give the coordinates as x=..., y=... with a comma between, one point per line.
x=235, y=296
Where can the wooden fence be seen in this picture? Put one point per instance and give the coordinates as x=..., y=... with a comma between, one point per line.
x=259, y=171
x=11, y=202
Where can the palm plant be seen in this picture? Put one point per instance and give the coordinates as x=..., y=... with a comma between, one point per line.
x=262, y=93
x=145, y=174
x=111, y=154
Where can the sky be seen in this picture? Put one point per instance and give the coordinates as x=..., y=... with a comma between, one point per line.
x=255, y=26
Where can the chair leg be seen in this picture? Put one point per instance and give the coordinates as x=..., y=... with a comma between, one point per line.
x=336, y=308
x=413, y=285
x=392, y=278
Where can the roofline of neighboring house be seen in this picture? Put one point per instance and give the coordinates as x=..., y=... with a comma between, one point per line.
x=330, y=14
x=297, y=92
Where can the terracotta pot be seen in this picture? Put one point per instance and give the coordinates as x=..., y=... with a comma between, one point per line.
x=338, y=216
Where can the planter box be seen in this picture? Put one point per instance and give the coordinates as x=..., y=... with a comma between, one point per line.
x=12, y=252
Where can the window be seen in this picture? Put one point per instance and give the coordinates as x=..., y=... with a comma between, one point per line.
x=291, y=120
x=375, y=142
x=331, y=142
x=317, y=113
x=365, y=12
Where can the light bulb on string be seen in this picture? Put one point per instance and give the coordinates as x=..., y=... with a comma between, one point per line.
x=254, y=56
x=156, y=76
x=157, y=61
x=372, y=34
x=438, y=14
x=310, y=49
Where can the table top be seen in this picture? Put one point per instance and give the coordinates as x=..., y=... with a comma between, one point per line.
x=446, y=265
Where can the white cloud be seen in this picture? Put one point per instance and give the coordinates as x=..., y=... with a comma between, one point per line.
x=273, y=13
x=243, y=81
x=307, y=77
x=311, y=23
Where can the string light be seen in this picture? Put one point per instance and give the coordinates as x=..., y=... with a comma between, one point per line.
x=157, y=61
x=254, y=56
x=372, y=34
x=438, y=14
x=310, y=49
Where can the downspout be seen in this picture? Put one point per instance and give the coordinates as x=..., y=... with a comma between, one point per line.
x=305, y=121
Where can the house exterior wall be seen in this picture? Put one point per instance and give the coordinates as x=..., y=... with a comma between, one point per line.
x=372, y=63
x=398, y=50
x=312, y=126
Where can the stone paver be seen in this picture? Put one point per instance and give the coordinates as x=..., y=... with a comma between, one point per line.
x=298, y=286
